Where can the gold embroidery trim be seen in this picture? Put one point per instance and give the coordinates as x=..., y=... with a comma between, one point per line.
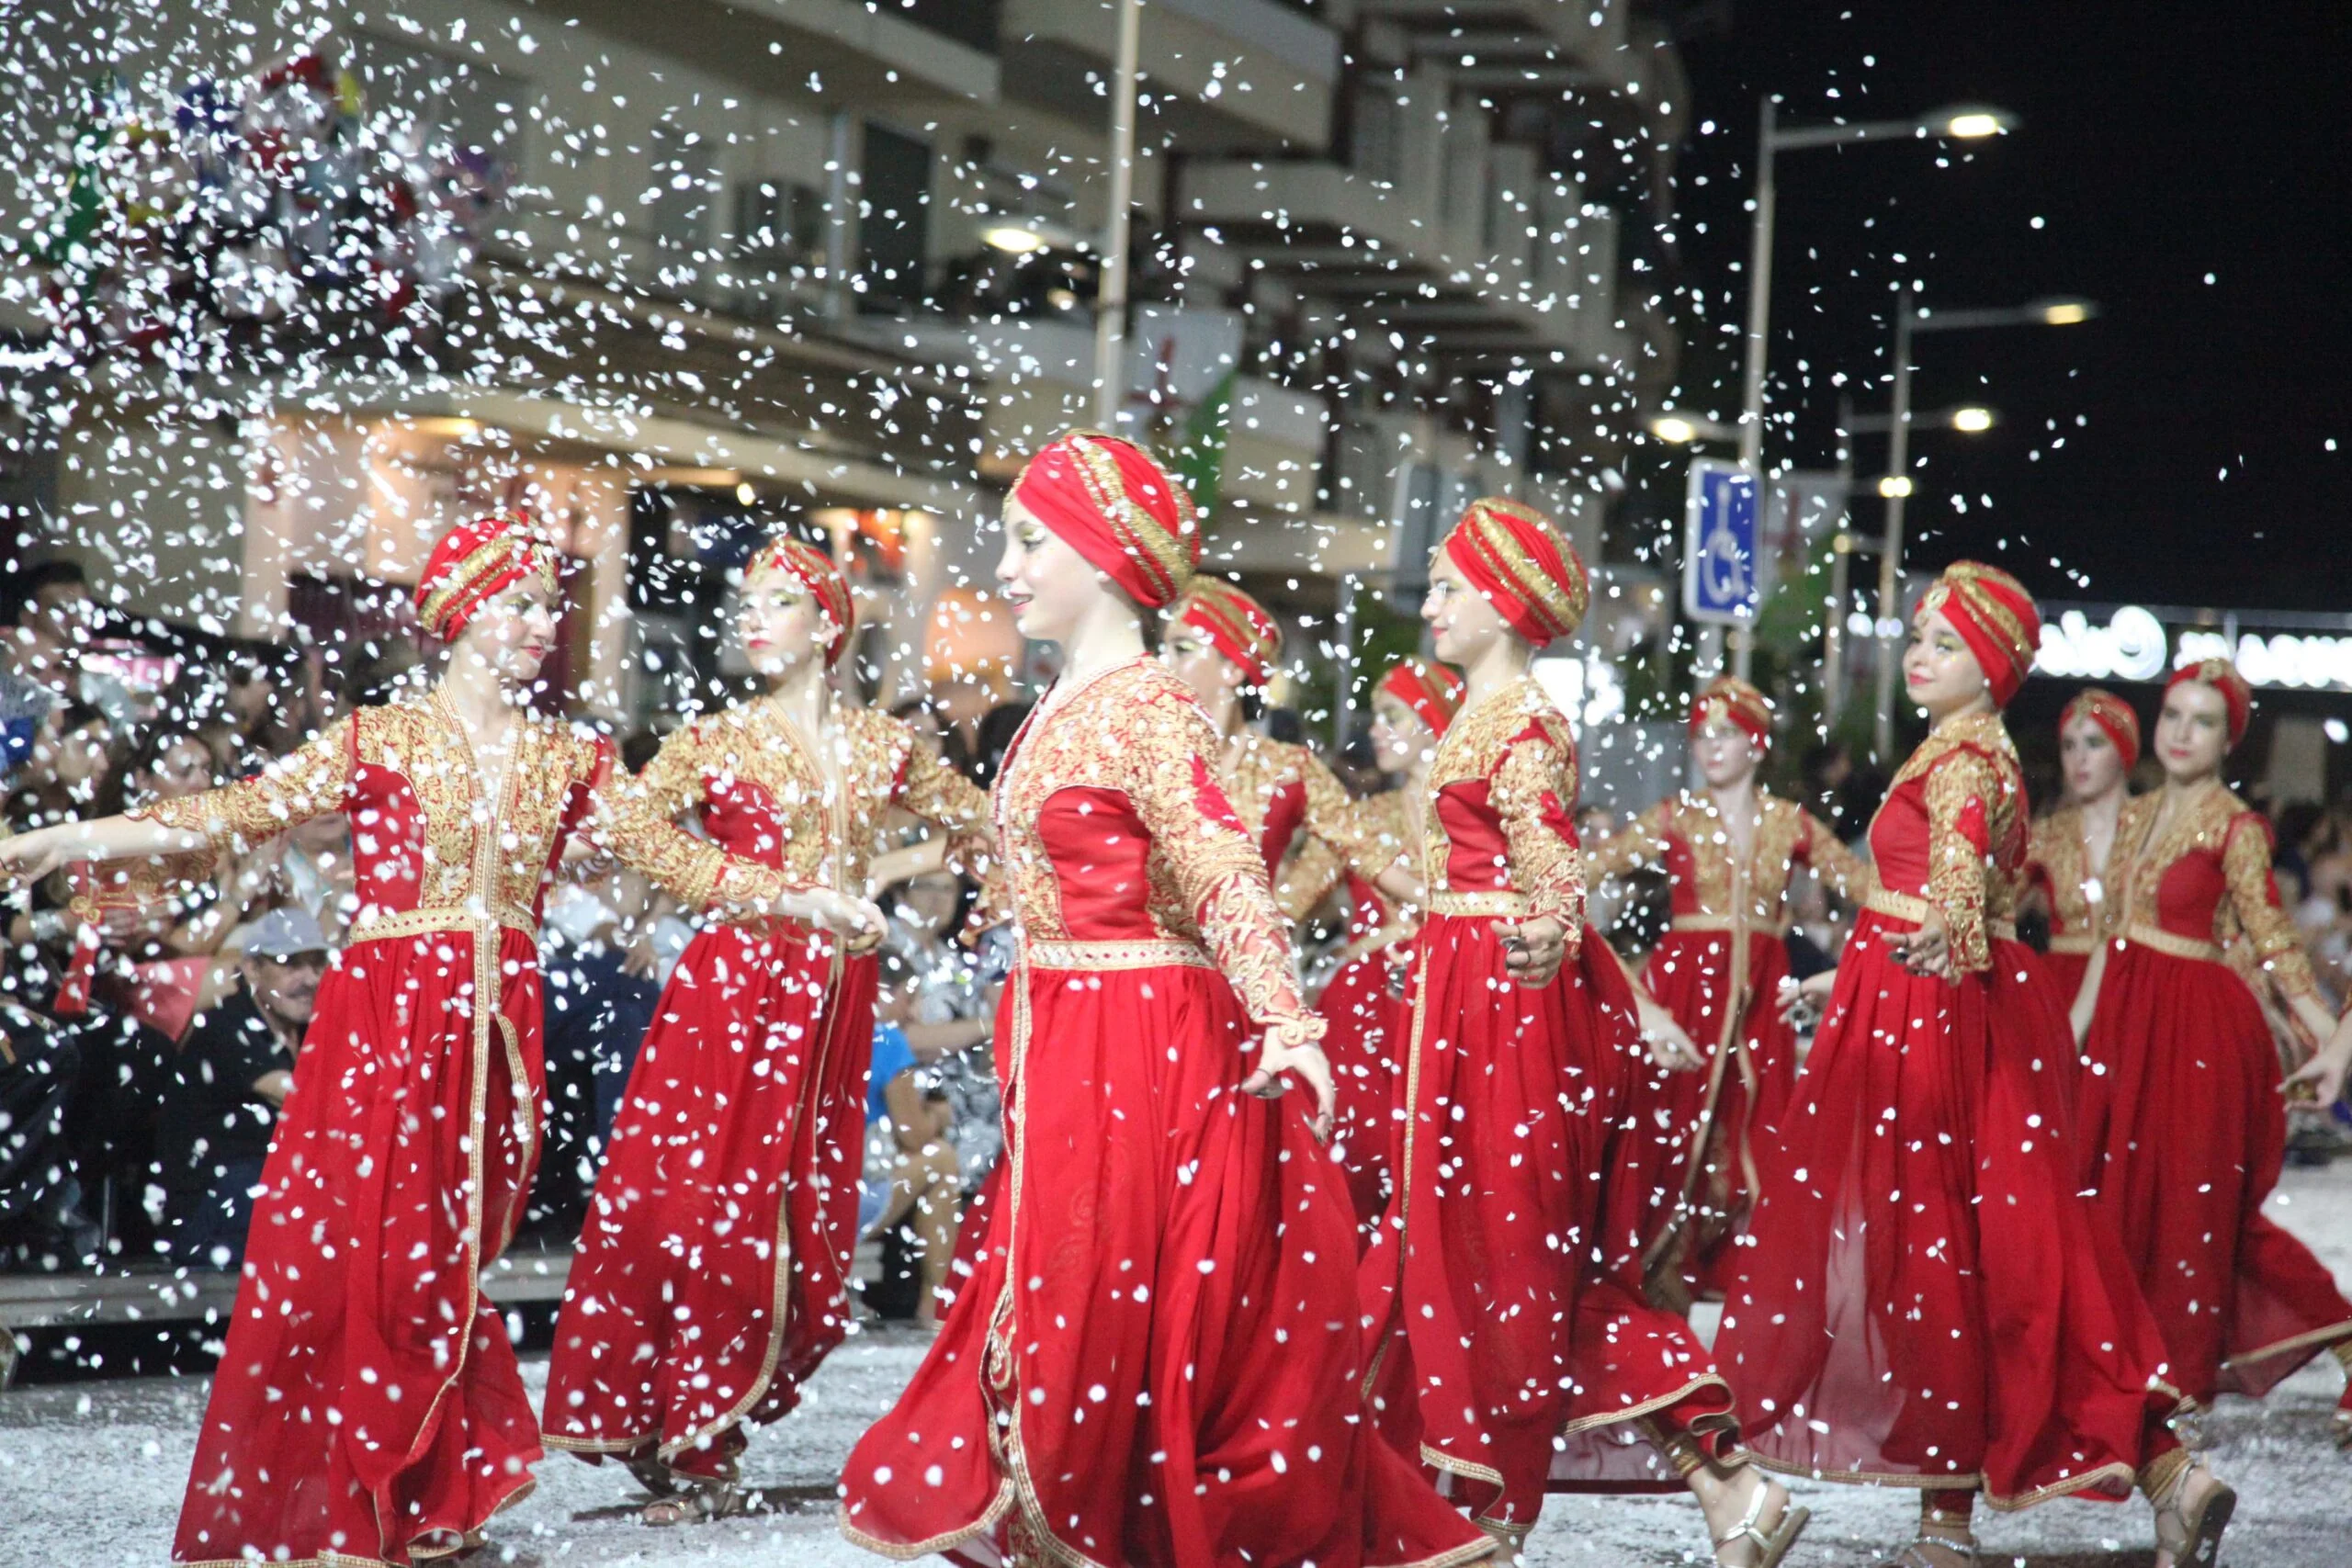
x=1502, y=902
x=1727, y=923
x=1904, y=906
x=1101, y=957
x=2163, y=941
x=389, y=925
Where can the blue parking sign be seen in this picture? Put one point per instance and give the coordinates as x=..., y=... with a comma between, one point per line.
x=1722, y=567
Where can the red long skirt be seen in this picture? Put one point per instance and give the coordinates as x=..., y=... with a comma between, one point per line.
x=367, y=1403
x=713, y=1272
x=2066, y=971
x=1364, y=1044
x=1513, y=1350
x=1923, y=1297
x=1157, y=1360
x=2184, y=1130
x=1719, y=1114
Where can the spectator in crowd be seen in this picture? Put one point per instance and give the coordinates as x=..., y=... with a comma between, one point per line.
x=601, y=971
x=230, y=1080
x=46, y=621
x=42, y=1226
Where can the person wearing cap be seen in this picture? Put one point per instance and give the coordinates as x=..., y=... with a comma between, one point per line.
x=1225, y=646
x=2068, y=856
x=1512, y=1346
x=229, y=1082
x=1361, y=1003
x=712, y=1276
x=1156, y=1358
x=1927, y=1299
x=403, y=1158
x=2184, y=1126
x=1729, y=850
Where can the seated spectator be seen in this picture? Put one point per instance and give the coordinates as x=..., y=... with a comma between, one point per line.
x=600, y=969
x=42, y=1227
x=230, y=1078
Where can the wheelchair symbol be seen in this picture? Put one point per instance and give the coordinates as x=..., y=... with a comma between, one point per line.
x=1723, y=566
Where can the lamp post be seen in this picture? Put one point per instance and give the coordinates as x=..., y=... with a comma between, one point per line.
x=1909, y=320
x=1111, y=300
x=1968, y=122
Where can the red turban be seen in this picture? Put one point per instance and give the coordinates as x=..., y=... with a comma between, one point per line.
x=2112, y=714
x=815, y=571
x=1995, y=616
x=1118, y=509
x=1729, y=697
x=2223, y=677
x=1513, y=555
x=473, y=562
x=1236, y=624
x=1432, y=691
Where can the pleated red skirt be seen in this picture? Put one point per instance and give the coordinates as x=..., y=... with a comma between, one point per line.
x=1365, y=1044
x=2066, y=971
x=1157, y=1360
x=367, y=1403
x=2185, y=1132
x=1716, y=1116
x=1923, y=1297
x=1513, y=1350
x=712, y=1275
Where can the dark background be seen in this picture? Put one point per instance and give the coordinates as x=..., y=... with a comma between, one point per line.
x=2160, y=142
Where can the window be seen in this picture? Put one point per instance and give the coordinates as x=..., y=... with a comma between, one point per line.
x=894, y=227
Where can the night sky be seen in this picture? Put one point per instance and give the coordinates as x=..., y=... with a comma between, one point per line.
x=2160, y=143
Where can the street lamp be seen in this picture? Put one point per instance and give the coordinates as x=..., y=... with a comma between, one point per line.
x=1910, y=318
x=1679, y=429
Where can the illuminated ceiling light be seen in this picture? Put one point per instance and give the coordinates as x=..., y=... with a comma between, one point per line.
x=1017, y=238
x=1974, y=421
x=2066, y=312
x=1674, y=428
x=1894, y=486
x=1974, y=124
x=745, y=494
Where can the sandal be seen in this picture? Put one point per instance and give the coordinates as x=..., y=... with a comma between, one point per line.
x=2189, y=1534
x=1773, y=1544
x=658, y=1479
x=2339, y=1426
x=699, y=1502
x=1959, y=1553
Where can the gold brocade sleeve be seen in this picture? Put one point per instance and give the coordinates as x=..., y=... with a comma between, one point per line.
x=1533, y=788
x=1218, y=872
x=1308, y=879
x=1641, y=842
x=2254, y=898
x=1960, y=789
x=954, y=804
x=1837, y=867
x=305, y=783
x=1332, y=818
x=635, y=822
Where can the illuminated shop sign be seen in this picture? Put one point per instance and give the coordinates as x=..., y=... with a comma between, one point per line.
x=2135, y=645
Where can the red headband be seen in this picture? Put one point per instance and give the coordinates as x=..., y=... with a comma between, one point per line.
x=1432, y=691
x=1729, y=697
x=815, y=571
x=2112, y=714
x=1238, y=624
x=1513, y=555
x=470, y=563
x=1118, y=509
x=2223, y=677
x=1995, y=616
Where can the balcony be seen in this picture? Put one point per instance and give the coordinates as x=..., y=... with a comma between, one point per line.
x=1529, y=270
x=1507, y=44
x=862, y=54
x=1222, y=76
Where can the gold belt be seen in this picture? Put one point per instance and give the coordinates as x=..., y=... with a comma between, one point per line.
x=1153, y=953
x=388, y=925
x=1911, y=908
x=1500, y=901
x=1723, y=923
x=2163, y=941
x=2080, y=946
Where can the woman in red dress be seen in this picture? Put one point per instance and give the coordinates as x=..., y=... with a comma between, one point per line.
x=1925, y=1299
x=368, y=1408
x=713, y=1272
x=1155, y=1362
x=2183, y=1126
x=1224, y=646
x=2068, y=856
x=1512, y=1346
x=1360, y=1005
x=1729, y=852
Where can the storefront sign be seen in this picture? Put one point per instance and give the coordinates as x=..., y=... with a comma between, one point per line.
x=2135, y=645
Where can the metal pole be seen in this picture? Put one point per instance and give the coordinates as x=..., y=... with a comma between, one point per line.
x=1111, y=303
x=1759, y=296
x=1841, y=555
x=1343, y=626
x=1889, y=559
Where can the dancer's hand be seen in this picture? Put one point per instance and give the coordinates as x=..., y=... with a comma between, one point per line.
x=1534, y=949
x=1670, y=1044
x=1290, y=1048
x=1927, y=951
x=2327, y=1071
x=858, y=922
x=1802, y=1001
x=29, y=857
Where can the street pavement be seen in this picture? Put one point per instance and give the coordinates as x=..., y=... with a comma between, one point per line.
x=91, y=1475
